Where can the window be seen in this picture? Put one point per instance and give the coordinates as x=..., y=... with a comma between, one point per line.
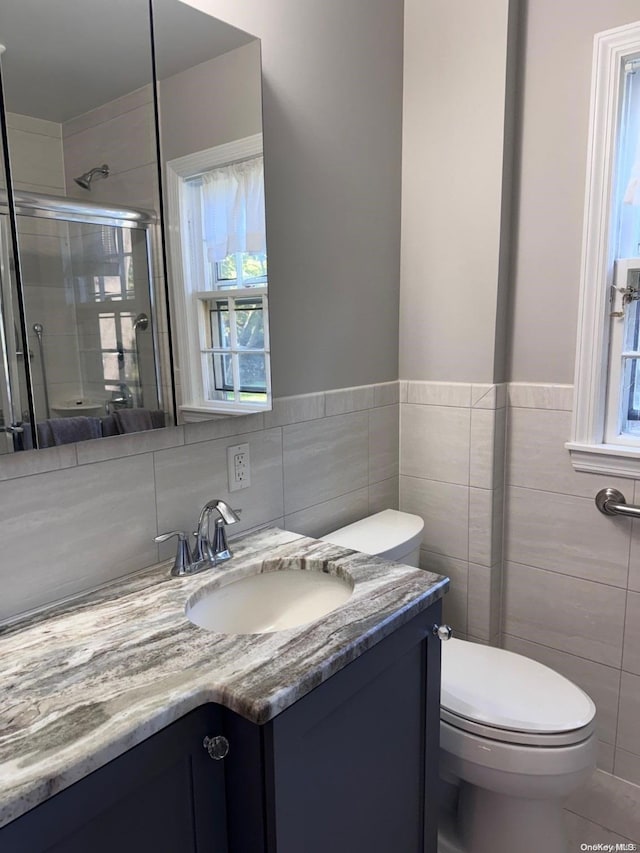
x=606, y=429
x=235, y=353
x=222, y=303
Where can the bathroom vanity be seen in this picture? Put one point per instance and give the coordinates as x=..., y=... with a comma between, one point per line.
x=129, y=728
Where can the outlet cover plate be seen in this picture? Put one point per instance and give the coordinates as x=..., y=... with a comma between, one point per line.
x=238, y=467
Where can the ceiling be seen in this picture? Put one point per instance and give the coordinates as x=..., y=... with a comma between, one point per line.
x=66, y=57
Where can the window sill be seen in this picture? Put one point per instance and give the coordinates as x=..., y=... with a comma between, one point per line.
x=614, y=459
x=195, y=414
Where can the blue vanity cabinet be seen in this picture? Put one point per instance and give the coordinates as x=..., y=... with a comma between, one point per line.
x=163, y=796
x=351, y=767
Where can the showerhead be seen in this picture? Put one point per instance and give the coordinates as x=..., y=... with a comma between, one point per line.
x=84, y=181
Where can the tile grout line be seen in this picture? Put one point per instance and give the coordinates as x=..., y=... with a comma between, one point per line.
x=619, y=703
x=284, y=515
x=562, y=651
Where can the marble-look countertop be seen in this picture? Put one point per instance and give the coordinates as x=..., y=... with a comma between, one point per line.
x=85, y=681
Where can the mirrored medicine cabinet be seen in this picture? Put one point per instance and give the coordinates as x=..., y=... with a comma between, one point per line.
x=133, y=258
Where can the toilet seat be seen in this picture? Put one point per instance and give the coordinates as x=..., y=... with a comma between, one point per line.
x=507, y=697
x=521, y=738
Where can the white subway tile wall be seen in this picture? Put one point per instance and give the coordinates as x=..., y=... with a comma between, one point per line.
x=486, y=467
x=119, y=133
x=452, y=438
x=610, y=803
x=570, y=594
x=325, y=458
x=36, y=154
x=98, y=505
x=75, y=528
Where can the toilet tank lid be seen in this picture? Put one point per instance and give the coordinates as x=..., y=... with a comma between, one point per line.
x=389, y=533
x=510, y=691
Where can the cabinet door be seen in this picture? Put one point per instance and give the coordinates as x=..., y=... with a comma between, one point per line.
x=164, y=796
x=354, y=763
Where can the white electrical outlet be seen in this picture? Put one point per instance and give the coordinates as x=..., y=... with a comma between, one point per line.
x=238, y=467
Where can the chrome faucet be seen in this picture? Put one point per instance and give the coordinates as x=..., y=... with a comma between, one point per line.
x=208, y=552
x=216, y=551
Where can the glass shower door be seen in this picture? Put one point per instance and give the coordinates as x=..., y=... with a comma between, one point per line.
x=110, y=270
x=16, y=431
x=87, y=297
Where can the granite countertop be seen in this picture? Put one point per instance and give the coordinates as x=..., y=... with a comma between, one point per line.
x=83, y=682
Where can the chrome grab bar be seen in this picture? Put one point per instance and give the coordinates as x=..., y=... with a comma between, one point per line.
x=613, y=502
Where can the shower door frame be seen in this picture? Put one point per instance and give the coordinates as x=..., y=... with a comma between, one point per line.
x=40, y=206
x=9, y=390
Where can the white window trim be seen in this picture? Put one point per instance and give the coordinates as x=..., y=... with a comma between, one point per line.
x=588, y=450
x=194, y=407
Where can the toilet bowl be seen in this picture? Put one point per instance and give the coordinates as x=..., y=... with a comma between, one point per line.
x=516, y=737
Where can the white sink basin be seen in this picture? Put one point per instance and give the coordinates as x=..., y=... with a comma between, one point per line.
x=279, y=596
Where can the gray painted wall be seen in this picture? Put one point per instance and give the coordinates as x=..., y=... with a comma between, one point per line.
x=228, y=106
x=455, y=217
x=332, y=133
x=555, y=118
x=459, y=138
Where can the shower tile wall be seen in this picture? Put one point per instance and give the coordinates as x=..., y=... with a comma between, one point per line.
x=49, y=301
x=121, y=134
x=37, y=163
x=99, y=504
x=37, y=166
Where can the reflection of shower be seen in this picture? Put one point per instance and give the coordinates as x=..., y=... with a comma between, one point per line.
x=140, y=324
x=102, y=253
x=39, y=329
x=84, y=181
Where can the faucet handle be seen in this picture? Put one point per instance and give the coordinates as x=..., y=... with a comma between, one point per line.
x=221, y=548
x=184, y=558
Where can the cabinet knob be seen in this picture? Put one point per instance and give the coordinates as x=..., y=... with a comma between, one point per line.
x=217, y=747
x=442, y=632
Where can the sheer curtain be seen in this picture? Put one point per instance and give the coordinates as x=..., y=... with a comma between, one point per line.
x=233, y=209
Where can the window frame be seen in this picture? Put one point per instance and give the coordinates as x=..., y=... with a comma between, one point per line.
x=223, y=284
x=588, y=448
x=187, y=299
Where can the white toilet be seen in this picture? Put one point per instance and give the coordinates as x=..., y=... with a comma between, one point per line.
x=515, y=736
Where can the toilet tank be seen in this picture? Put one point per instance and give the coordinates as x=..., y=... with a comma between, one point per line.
x=389, y=534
